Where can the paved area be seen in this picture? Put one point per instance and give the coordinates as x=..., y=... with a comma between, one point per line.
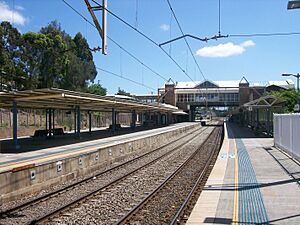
x=251, y=183
x=8, y=161
x=28, y=144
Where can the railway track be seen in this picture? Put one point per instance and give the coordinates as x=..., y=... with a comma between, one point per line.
x=37, y=210
x=111, y=203
x=171, y=202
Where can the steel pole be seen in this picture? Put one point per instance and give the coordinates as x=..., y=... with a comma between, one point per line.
x=78, y=121
x=15, y=124
x=1, y=81
x=298, y=82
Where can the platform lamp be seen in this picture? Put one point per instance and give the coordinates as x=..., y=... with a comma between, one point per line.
x=293, y=4
x=294, y=75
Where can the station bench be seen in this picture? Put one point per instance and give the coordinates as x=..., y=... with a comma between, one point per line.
x=44, y=133
x=117, y=127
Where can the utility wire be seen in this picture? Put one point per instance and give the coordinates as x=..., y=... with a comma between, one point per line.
x=264, y=34
x=117, y=44
x=138, y=60
x=147, y=37
x=125, y=78
x=189, y=47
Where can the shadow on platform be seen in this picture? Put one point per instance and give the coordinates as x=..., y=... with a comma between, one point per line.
x=236, y=131
x=247, y=186
x=34, y=144
x=218, y=220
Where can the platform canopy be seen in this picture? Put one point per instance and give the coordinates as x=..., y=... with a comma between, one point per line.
x=265, y=102
x=67, y=100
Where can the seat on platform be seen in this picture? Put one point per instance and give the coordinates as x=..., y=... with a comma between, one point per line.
x=58, y=131
x=40, y=133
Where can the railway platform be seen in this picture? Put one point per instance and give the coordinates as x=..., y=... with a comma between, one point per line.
x=29, y=172
x=252, y=182
x=10, y=161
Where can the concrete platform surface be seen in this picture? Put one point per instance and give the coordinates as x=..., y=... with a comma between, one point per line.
x=8, y=161
x=251, y=183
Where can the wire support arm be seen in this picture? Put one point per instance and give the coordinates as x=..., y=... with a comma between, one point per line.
x=216, y=37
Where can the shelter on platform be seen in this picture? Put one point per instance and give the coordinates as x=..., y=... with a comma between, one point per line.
x=53, y=99
x=258, y=114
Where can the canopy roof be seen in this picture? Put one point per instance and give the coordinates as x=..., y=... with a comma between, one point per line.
x=265, y=102
x=64, y=99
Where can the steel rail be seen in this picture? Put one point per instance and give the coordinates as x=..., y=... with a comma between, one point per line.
x=46, y=196
x=84, y=197
x=142, y=203
x=181, y=210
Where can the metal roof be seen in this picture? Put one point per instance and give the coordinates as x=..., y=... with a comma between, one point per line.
x=65, y=99
x=265, y=102
x=288, y=83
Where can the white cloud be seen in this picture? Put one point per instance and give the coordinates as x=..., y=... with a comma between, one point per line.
x=10, y=15
x=165, y=27
x=224, y=50
x=247, y=43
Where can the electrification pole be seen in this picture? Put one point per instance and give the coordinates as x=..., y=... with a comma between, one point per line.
x=102, y=31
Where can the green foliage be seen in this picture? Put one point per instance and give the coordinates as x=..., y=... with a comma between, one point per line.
x=11, y=57
x=49, y=58
x=97, y=89
x=290, y=96
x=123, y=92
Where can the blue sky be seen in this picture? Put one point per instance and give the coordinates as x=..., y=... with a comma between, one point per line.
x=256, y=58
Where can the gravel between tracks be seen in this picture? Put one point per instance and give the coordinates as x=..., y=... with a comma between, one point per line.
x=7, y=205
x=162, y=207
x=30, y=213
x=111, y=204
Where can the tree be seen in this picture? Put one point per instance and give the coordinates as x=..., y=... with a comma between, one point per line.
x=82, y=65
x=46, y=63
x=290, y=96
x=123, y=92
x=58, y=60
x=49, y=58
x=97, y=89
x=12, y=57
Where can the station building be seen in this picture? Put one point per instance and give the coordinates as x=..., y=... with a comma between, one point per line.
x=190, y=96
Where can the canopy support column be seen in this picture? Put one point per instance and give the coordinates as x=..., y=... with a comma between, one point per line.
x=113, y=119
x=133, y=119
x=268, y=121
x=78, y=121
x=50, y=123
x=75, y=122
x=90, y=122
x=159, y=119
x=46, y=119
x=53, y=118
x=257, y=119
x=15, y=124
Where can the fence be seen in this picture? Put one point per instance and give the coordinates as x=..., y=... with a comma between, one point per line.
x=287, y=133
x=31, y=119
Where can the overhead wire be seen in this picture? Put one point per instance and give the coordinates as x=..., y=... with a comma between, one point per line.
x=116, y=43
x=265, y=34
x=146, y=37
x=187, y=43
x=125, y=78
